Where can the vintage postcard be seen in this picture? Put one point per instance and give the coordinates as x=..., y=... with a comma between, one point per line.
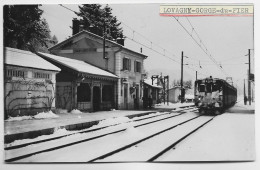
x=95, y=83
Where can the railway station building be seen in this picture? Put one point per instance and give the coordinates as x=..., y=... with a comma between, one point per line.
x=81, y=85
x=152, y=92
x=29, y=83
x=175, y=92
x=126, y=64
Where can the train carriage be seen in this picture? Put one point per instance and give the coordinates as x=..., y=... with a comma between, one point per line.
x=214, y=95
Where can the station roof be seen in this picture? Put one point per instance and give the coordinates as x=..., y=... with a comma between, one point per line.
x=28, y=59
x=148, y=81
x=78, y=65
x=98, y=37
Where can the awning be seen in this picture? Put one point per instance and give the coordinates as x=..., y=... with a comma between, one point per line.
x=82, y=67
x=149, y=82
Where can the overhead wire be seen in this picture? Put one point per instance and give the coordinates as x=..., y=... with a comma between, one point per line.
x=206, y=51
x=132, y=39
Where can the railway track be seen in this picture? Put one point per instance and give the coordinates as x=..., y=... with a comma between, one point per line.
x=185, y=108
x=48, y=149
x=130, y=149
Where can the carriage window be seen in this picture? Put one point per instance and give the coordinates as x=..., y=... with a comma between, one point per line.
x=215, y=87
x=209, y=87
x=201, y=88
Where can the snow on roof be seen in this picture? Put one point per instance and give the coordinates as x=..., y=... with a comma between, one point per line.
x=148, y=81
x=78, y=65
x=27, y=59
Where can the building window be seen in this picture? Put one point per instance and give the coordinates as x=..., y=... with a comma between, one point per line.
x=137, y=66
x=83, y=93
x=15, y=73
x=39, y=75
x=107, y=93
x=127, y=64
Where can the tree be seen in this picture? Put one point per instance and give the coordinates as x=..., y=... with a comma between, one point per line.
x=24, y=28
x=186, y=84
x=98, y=18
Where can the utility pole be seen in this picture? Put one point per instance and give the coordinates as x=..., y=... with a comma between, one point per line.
x=164, y=90
x=167, y=77
x=249, y=83
x=196, y=75
x=244, y=88
x=182, y=95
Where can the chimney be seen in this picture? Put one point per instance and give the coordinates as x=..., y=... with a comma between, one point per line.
x=120, y=41
x=75, y=26
x=81, y=27
x=93, y=29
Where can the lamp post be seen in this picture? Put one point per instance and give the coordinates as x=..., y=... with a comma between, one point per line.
x=249, y=83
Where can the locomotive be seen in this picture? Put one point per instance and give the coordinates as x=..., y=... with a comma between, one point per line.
x=214, y=95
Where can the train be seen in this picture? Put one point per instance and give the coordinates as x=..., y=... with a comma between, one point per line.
x=214, y=95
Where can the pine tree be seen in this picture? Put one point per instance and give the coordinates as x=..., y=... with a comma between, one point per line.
x=95, y=19
x=24, y=28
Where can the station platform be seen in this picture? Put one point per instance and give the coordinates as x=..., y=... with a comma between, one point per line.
x=31, y=128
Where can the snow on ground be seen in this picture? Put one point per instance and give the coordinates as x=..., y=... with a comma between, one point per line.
x=75, y=111
x=41, y=115
x=172, y=105
x=44, y=115
x=85, y=151
x=19, y=118
x=103, y=123
x=229, y=137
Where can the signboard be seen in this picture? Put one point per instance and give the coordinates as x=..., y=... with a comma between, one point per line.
x=96, y=83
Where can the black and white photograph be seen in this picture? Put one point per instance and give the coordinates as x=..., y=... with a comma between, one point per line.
x=128, y=83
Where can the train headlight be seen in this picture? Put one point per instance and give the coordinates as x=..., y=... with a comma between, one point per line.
x=216, y=104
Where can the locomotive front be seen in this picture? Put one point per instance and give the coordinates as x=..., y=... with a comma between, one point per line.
x=209, y=95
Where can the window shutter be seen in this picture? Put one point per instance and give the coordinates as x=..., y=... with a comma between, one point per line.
x=135, y=63
x=129, y=64
x=124, y=63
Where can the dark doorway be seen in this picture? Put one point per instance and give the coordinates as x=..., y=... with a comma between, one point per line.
x=145, y=98
x=125, y=96
x=136, y=98
x=96, y=98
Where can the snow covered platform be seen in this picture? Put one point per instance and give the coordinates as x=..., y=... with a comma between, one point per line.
x=229, y=137
x=46, y=123
x=24, y=127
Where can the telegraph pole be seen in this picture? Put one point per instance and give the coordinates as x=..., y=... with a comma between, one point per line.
x=196, y=75
x=249, y=83
x=244, y=89
x=181, y=77
x=168, y=92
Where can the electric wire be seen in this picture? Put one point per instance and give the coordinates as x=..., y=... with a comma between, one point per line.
x=206, y=51
x=132, y=39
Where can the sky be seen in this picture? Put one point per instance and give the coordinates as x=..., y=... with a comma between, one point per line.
x=227, y=39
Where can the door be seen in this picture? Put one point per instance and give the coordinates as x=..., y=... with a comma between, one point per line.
x=96, y=98
x=145, y=97
x=125, y=96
